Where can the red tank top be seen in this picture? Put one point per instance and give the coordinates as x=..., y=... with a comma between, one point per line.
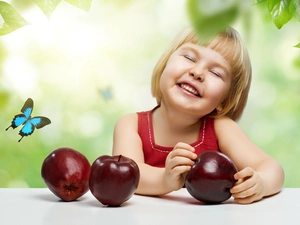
x=155, y=155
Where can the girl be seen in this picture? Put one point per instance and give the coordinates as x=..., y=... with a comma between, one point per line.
x=201, y=91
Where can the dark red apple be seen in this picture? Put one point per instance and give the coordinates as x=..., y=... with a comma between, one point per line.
x=211, y=177
x=66, y=173
x=114, y=179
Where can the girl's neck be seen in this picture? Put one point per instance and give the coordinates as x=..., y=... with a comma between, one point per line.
x=175, y=119
x=172, y=126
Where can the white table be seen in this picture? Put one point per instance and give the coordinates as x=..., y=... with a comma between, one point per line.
x=38, y=206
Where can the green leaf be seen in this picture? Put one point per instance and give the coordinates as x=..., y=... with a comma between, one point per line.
x=47, y=6
x=297, y=45
x=295, y=8
x=11, y=19
x=272, y=4
x=209, y=17
x=279, y=10
x=82, y=4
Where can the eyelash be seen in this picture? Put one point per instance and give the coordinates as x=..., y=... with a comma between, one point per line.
x=216, y=73
x=189, y=58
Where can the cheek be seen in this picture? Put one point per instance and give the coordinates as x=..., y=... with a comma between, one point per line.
x=226, y=91
x=174, y=68
x=168, y=71
x=219, y=91
x=163, y=82
x=168, y=76
x=162, y=79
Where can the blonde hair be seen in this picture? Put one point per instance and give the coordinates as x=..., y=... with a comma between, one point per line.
x=227, y=43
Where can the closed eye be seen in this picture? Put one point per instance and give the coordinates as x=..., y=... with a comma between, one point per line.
x=189, y=58
x=216, y=73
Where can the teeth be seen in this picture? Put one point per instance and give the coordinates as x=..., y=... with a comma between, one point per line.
x=189, y=89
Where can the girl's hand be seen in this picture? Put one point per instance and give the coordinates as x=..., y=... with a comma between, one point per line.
x=249, y=187
x=178, y=162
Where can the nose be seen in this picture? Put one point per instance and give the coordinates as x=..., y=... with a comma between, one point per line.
x=197, y=74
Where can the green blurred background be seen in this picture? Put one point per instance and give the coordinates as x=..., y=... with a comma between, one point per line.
x=86, y=69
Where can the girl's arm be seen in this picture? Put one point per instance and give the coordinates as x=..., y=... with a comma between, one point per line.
x=259, y=174
x=153, y=180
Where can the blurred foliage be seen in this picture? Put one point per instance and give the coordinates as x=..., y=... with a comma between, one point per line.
x=82, y=4
x=85, y=70
x=208, y=16
x=211, y=16
x=283, y=11
x=48, y=6
x=13, y=20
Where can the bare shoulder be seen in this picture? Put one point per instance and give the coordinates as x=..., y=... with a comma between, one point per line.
x=224, y=120
x=229, y=132
x=126, y=140
x=225, y=124
x=128, y=121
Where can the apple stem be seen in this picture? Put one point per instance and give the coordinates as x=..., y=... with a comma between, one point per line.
x=119, y=158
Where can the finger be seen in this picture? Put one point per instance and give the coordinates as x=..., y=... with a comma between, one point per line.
x=245, y=192
x=182, y=145
x=179, y=161
x=235, y=188
x=247, y=197
x=239, y=182
x=242, y=185
x=183, y=153
x=185, y=150
x=244, y=173
x=178, y=171
x=181, y=169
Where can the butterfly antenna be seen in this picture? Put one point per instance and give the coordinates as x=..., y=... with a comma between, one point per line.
x=20, y=139
x=7, y=128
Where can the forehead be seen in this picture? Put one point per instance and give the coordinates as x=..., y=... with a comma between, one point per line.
x=228, y=47
x=226, y=44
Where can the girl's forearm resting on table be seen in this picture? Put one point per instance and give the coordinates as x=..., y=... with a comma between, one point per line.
x=152, y=181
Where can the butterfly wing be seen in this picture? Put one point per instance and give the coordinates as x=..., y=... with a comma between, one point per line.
x=106, y=93
x=35, y=122
x=22, y=118
x=17, y=121
x=40, y=121
x=29, y=123
x=27, y=107
x=27, y=129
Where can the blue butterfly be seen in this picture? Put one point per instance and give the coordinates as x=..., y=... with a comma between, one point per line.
x=30, y=123
x=106, y=93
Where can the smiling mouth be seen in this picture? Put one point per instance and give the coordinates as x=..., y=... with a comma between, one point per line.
x=189, y=89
